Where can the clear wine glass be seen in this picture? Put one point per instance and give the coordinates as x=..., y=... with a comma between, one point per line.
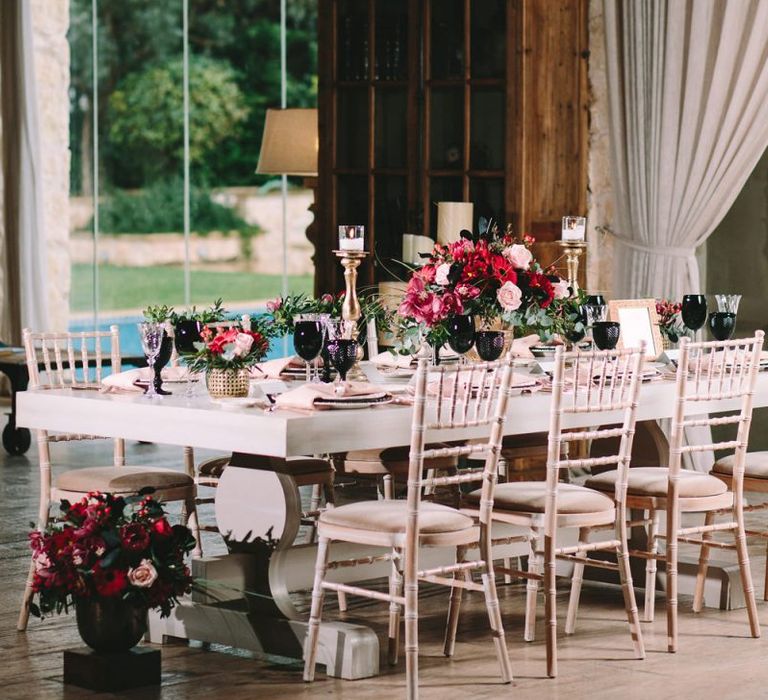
x=151, y=335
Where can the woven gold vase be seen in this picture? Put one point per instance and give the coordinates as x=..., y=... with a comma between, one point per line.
x=227, y=383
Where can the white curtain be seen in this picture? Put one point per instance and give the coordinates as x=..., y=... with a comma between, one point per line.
x=688, y=121
x=25, y=302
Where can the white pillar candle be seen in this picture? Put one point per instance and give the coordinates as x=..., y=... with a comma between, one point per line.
x=452, y=218
x=413, y=246
x=574, y=228
x=351, y=237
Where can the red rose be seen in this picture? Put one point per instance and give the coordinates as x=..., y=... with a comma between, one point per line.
x=162, y=528
x=109, y=582
x=135, y=537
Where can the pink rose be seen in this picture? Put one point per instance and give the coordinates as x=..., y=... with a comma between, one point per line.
x=144, y=575
x=273, y=306
x=243, y=343
x=441, y=274
x=509, y=296
x=519, y=256
x=562, y=290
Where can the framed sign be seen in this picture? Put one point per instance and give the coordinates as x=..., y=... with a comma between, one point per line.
x=638, y=321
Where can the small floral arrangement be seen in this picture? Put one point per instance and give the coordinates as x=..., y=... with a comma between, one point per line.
x=492, y=276
x=106, y=546
x=230, y=348
x=215, y=312
x=670, y=322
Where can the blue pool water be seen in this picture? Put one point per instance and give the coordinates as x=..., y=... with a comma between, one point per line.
x=130, y=345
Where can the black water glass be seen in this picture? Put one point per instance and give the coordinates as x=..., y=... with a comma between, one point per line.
x=461, y=333
x=694, y=311
x=606, y=334
x=722, y=324
x=489, y=344
x=343, y=354
x=308, y=340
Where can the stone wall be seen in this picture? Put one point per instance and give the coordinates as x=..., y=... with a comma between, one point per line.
x=600, y=207
x=50, y=21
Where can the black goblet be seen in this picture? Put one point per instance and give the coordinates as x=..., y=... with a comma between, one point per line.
x=461, y=333
x=694, y=311
x=722, y=324
x=595, y=300
x=606, y=334
x=343, y=354
x=185, y=335
x=308, y=340
x=489, y=344
x=163, y=358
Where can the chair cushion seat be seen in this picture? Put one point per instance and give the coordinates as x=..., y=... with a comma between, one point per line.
x=390, y=460
x=652, y=481
x=529, y=497
x=390, y=517
x=755, y=465
x=121, y=480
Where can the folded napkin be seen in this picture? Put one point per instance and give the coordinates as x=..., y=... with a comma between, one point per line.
x=126, y=381
x=392, y=360
x=303, y=398
x=272, y=369
x=521, y=347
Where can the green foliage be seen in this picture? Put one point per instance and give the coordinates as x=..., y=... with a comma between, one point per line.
x=157, y=313
x=145, y=114
x=160, y=209
x=216, y=312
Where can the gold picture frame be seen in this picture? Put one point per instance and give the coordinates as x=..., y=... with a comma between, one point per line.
x=639, y=320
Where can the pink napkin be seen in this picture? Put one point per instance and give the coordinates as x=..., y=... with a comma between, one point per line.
x=521, y=347
x=126, y=381
x=272, y=369
x=303, y=398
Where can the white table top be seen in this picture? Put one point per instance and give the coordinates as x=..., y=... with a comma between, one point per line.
x=198, y=422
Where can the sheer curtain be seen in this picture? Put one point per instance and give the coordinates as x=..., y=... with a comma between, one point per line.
x=688, y=122
x=24, y=300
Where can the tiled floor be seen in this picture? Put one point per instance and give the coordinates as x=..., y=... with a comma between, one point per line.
x=717, y=659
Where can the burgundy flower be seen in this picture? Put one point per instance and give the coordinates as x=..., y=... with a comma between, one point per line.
x=109, y=582
x=162, y=528
x=135, y=537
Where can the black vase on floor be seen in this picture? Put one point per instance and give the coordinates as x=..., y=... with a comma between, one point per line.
x=110, y=624
x=162, y=359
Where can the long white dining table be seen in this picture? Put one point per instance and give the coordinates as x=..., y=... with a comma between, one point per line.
x=253, y=505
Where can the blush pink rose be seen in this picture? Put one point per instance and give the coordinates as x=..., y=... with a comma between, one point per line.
x=243, y=343
x=143, y=575
x=441, y=274
x=519, y=256
x=509, y=296
x=562, y=290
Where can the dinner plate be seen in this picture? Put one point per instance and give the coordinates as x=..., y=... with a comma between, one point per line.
x=355, y=401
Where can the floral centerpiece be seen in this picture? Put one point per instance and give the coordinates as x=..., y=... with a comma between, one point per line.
x=493, y=277
x=670, y=321
x=225, y=356
x=113, y=550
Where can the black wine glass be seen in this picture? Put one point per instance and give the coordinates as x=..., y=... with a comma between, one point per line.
x=308, y=340
x=606, y=334
x=489, y=344
x=343, y=354
x=595, y=300
x=694, y=311
x=461, y=333
x=185, y=335
x=722, y=324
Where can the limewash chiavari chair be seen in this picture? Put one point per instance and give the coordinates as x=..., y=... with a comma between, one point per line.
x=711, y=371
x=76, y=361
x=455, y=398
x=599, y=383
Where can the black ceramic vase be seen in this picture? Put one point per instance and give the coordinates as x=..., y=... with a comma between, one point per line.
x=110, y=624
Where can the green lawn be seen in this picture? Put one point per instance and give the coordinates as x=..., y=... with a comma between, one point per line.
x=137, y=287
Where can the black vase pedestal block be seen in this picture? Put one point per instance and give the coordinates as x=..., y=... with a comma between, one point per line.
x=108, y=672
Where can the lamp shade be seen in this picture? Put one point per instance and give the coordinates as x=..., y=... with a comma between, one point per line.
x=289, y=145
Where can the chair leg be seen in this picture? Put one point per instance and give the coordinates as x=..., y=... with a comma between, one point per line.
x=765, y=584
x=550, y=606
x=701, y=574
x=330, y=502
x=411, y=621
x=576, y=581
x=630, y=603
x=454, y=608
x=531, y=589
x=673, y=520
x=42, y=521
x=395, y=589
x=194, y=525
x=494, y=617
x=388, y=487
x=313, y=632
x=21, y=625
x=746, y=575
x=650, y=567
x=314, y=505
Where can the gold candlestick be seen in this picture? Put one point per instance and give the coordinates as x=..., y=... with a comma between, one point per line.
x=573, y=251
x=350, y=308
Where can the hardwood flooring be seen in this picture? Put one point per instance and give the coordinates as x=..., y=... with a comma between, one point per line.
x=717, y=658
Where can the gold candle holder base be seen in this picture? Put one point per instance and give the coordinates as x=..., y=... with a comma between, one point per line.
x=573, y=250
x=350, y=308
